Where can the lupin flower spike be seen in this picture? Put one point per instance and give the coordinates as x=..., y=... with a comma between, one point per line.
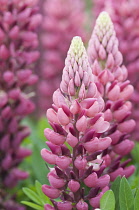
x=110, y=79
x=126, y=20
x=76, y=143
x=18, y=54
x=61, y=21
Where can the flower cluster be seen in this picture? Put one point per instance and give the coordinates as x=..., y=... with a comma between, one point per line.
x=89, y=119
x=61, y=21
x=18, y=43
x=77, y=120
x=126, y=19
x=110, y=78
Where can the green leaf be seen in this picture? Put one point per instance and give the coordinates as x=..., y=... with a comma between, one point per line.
x=107, y=201
x=32, y=195
x=38, y=166
x=34, y=206
x=115, y=188
x=126, y=198
x=41, y=195
x=136, y=201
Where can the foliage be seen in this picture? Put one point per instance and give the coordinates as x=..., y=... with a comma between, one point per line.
x=107, y=201
x=36, y=196
x=120, y=197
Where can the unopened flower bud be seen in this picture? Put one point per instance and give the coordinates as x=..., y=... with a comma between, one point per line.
x=54, y=137
x=75, y=107
x=103, y=181
x=91, y=180
x=64, y=205
x=80, y=162
x=127, y=126
x=51, y=192
x=4, y=52
x=104, y=143
x=48, y=156
x=100, y=125
x=73, y=185
x=81, y=124
x=114, y=93
x=81, y=205
x=63, y=162
x=48, y=207
x=55, y=181
x=52, y=116
x=92, y=146
x=116, y=173
x=62, y=117
x=124, y=147
x=71, y=140
x=128, y=171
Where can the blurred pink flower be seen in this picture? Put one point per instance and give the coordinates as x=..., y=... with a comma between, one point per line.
x=126, y=22
x=18, y=54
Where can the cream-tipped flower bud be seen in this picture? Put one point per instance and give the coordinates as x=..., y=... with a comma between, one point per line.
x=77, y=70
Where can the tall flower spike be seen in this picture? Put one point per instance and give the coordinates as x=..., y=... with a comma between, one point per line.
x=126, y=20
x=18, y=54
x=111, y=75
x=78, y=123
x=61, y=21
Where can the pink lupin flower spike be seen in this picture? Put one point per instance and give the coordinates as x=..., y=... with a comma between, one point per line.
x=125, y=19
x=75, y=128
x=18, y=54
x=110, y=77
